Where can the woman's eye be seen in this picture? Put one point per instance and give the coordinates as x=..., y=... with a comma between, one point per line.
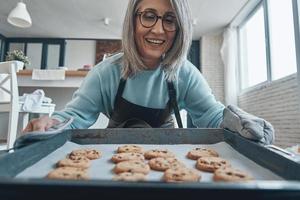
x=170, y=19
x=149, y=16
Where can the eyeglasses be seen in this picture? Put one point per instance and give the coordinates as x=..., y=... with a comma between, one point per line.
x=148, y=19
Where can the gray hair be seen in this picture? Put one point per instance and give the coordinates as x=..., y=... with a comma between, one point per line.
x=174, y=58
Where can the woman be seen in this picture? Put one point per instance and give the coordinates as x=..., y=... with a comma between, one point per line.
x=142, y=86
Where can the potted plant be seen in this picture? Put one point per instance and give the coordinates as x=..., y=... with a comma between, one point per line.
x=18, y=55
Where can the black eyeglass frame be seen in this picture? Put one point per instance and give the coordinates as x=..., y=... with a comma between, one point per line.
x=139, y=14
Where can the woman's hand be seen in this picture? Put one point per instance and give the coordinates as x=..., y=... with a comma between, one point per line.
x=247, y=125
x=42, y=124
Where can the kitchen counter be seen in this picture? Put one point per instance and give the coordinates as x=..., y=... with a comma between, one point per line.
x=69, y=73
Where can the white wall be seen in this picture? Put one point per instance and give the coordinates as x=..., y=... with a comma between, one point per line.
x=212, y=66
x=79, y=53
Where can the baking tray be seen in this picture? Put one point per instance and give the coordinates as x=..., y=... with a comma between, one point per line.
x=276, y=161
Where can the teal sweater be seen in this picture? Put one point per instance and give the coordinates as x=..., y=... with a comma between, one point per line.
x=148, y=88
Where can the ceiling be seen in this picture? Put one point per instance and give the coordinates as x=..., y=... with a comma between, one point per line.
x=85, y=18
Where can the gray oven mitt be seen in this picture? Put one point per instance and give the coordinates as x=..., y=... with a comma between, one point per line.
x=247, y=125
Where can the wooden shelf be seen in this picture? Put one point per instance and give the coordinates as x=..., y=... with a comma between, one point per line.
x=70, y=73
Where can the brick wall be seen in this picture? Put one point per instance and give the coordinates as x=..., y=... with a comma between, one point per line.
x=212, y=66
x=107, y=47
x=278, y=102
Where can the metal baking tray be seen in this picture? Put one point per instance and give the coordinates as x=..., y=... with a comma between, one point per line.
x=276, y=160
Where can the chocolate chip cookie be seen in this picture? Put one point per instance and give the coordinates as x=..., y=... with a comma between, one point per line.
x=88, y=153
x=201, y=152
x=132, y=166
x=162, y=164
x=231, y=175
x=79, y=162
x=130, y=148
x=120, y=157
x=211, y=164
x=155, y=153
x=181, y=175
x=130, y=176
x=68, y=173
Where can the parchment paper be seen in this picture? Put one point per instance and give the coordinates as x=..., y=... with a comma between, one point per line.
x=102, y=168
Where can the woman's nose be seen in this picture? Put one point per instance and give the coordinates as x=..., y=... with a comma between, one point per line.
x=158, y=27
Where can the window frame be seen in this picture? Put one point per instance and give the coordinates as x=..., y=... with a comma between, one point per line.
x=296, y=13
x=45, y=42
x=2, y=47
x=241, y=25
x=296, y=19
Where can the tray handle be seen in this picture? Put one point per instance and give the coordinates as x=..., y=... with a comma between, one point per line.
x=276, y=148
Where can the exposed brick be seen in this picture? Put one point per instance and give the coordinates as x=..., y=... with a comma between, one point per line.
x=107, y=46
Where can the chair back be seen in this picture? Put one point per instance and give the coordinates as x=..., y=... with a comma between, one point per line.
x=9, y=86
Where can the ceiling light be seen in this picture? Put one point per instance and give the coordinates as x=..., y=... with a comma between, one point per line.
x=19, y=16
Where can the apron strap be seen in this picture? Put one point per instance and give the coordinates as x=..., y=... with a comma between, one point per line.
x=120, y=91
x=172, y=95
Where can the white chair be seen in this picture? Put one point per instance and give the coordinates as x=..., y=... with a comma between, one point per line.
x=9, y=86
x=9, y=70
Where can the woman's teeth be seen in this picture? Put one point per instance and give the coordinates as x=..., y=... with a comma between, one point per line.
x=155, y=41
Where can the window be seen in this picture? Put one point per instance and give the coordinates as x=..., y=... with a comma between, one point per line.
x=34, y=52
x=16, y=46
x=253, y=50
x=267, y=43
x=282, y=38
x=43, y=53
x=53, y=56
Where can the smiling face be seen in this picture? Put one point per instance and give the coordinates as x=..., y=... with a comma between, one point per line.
x=153, y=42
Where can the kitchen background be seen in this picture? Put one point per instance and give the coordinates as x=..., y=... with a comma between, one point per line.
x=75, y=33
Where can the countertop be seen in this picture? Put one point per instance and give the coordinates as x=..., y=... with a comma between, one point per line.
x=69, y=73
x=73, y=79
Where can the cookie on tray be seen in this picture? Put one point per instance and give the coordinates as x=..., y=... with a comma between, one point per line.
x=211, y=164
x=132, y=166
x=79, y=162
x=231, y=175
x=120, y=157
x=130, y=176
x=181, y=175
x=155, y=153
x=197, y=153
x=68, y=173
x=130, y=148
x=162, y=164
x=91, y=154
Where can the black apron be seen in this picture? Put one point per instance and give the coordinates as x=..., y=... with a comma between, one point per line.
x=129, y=115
